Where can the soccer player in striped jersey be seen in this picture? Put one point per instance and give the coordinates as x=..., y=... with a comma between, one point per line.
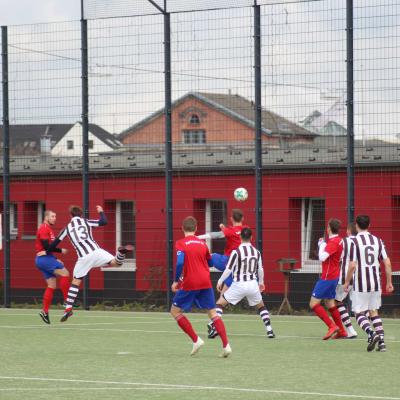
x=48, y=264
x=219, y=261
x=348, y=255
x=90, y=254
x=329, y=253
x=245, y=265
x=193, y=261
x=367, y=291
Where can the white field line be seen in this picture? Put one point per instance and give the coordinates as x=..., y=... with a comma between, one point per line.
x=71, y=327
x=193, y=317
x=199, y=387
x=80, y=389
x=151, y=314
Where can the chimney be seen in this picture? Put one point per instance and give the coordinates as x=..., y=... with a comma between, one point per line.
x=45, y=142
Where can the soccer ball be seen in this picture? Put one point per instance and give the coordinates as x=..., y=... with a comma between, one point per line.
x=240, y=194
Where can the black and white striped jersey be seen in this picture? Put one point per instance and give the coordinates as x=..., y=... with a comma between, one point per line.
x=349, y=254
x=79, y=232
x=245, y=264
x=370, y=251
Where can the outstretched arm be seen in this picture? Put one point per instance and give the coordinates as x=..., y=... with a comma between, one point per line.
x=98, y=222
x=212, y=235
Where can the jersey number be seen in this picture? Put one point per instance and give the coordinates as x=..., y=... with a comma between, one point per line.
x=369, y=255
x=250, y=265
x=82, y=233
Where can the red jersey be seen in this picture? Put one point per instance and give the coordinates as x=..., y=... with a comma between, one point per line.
x=331, y=266
x=233, y=241
x=196, y=272
x=44, y=232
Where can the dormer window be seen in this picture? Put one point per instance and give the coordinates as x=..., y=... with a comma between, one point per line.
x=194, y=119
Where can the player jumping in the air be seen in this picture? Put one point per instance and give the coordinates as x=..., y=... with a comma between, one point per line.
x=48, y=264
x=219, y=261
x=90, y=254
x=245, y=264
x=330, y=253
x=193, y=262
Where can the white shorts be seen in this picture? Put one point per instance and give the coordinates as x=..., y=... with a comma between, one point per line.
x=341, y=294
x=239, y=290
x=98, y=258
x=361, y=302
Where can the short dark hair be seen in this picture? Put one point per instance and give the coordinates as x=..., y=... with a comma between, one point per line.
x=362, y=221
x=245, y=234
x=189, y=224
x=351, y=226
x=334, y=224
x=237, y=215
x=76, y=211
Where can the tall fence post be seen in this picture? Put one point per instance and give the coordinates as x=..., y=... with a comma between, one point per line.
x=350, y=111
x=257, y=119
x=168, y=150
x=6, y=168
x=85, y=137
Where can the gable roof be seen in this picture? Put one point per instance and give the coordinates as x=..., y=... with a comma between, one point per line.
x=236, y=107
x=25, y=138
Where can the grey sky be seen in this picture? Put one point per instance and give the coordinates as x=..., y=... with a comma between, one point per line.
x=304, y=52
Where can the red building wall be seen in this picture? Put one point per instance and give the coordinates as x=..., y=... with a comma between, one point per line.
x=377, y=194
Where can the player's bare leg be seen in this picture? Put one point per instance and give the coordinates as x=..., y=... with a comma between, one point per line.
x=186, y=326
x=264, y=315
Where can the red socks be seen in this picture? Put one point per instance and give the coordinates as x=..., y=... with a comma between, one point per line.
x=336, y=317
x=47, y=299
x=186, y=326
x=220, y=328
x=64, y=286
x=321, y=312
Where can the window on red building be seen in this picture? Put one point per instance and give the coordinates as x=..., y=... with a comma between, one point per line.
x=125, y=224
x=13, y=219
x=312, y=228
x=197, y=136
x=209, y=214
x=32, y=217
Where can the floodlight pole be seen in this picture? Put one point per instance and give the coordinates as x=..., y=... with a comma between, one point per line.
x=350, y=111
x=6, y=168
x=85, y=135
x=168, y=152
x=258, y=127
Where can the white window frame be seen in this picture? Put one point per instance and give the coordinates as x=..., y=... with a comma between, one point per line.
x=129, y=263
x=41, y=208
x=208, y=226
x=13, y=219
x=307, y=265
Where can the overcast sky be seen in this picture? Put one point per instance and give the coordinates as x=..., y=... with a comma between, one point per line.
x=304, y=52
x=16, y=12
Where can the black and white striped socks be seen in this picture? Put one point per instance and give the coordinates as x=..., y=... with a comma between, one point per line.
x=363, y=322
x=264, y=315
x=72, y=294
x=120, y=258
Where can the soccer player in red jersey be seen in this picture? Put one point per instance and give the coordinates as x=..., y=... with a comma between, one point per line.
x=219, y=261
x=329, y=253
x=193, y=262
x=48, y=264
